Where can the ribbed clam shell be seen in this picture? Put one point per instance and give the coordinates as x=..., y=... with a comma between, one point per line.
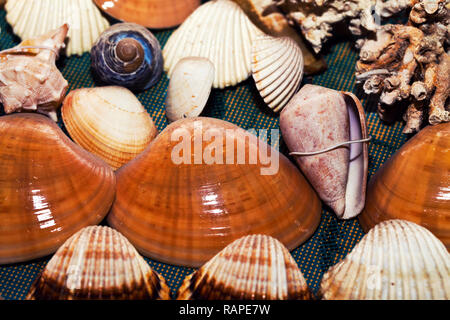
x=109, y=121
x=220, y=31
x=98, y=263
x=277, y=68
x=254, y=267
x=30, y=18
x=189, y=88
x=396, y=260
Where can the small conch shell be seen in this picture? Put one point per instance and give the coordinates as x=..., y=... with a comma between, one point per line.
x=189, y=88
x=98, y=263
x=316, y=119
x=29, y=78
x=254, y=267
x=396, y=260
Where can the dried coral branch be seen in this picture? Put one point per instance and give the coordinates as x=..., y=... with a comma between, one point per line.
x=439, y=104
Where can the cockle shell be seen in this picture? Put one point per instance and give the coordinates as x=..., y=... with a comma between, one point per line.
x=317, y=118
x=414, y=184
x=189, y=88
x=49, y=187
x=98, y=263
x=29, y=78
x=30, y=18
x=277, y=68
x=177, y=203
x=396, y=260
x=220, y=31
x=109, y=122
x=254, y=267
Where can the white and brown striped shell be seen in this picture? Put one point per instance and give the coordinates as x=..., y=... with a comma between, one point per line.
x=256, y=267
x=98, y=263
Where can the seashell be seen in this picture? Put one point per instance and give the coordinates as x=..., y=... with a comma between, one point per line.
x=127, y=55
x=189, y=88
x=414, y=184
x=29, y=78
x=109, y=122
x=49, y=187
x=220, y=31
x=98, y=263
x=277, y=68
x=316, y=119
x=396, y=260
x=184, y=209
x=254, y=267
x=156, y=14
x=30, y=18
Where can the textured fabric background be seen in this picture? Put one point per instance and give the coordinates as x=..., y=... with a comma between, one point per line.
x=242, y=106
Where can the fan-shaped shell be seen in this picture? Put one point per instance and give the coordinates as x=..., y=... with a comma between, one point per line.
x=128, y=55
x=254, y=267
x=277, y=68
x=220, y=31
x=396, y=260
x=182, y=206
x=98, y=263
x=30, y=18
x=189, y=88
x=157, y=14
x=109, y=122
x=49, y=187
x=414, y=184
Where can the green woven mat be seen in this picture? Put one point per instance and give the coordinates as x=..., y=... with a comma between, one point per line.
x=242, y=106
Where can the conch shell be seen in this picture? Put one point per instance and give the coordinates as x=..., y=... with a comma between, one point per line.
x=29, y=78
x=317, y=119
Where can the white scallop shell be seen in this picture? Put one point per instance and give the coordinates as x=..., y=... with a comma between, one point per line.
x=189, y=88
x=220, y=31
x=30, y=18
x=277, y=67
x=396, y=260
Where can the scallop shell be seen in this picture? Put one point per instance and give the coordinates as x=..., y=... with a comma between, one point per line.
x=189, y=88
x=98, y=263
x=277, y=68
x=30, y=18
x=414, y=184
x=109, y=122
x=157, y=14
x=49, y=187
x=396, y=260
x=254, y=267
x=184, y=210
x=220, y=31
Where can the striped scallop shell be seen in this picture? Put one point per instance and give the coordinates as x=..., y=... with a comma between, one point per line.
x=277, y=66
x=30, y=18
x=220, y=31
x=396, y=260
x=256, y=267
x=98, y=263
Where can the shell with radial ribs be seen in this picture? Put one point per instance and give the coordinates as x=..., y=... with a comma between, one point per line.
x=254, y=267
x=396, y=260
x=30, y=18
x=98, y=263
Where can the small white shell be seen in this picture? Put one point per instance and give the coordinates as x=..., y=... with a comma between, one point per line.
x=277, y=66
x=220, y=31
x=30, y=18
x=396, y=260
x=189, y=88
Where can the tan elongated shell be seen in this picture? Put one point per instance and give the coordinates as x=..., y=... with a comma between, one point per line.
x=109, y=121
x=254, y=267
x=277, y=68
x=98, y=263
x=396, y=260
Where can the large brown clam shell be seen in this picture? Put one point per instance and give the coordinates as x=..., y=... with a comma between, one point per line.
x=49, y=187
x=184, y=214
